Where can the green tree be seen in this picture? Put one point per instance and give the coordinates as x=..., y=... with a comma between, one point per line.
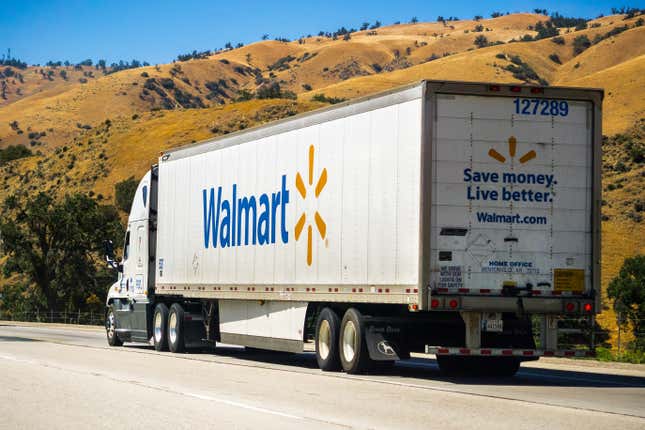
x=57, y=246
x=628, y=292
x=124, y=193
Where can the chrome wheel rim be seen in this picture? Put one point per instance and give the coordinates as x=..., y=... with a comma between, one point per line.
x=349, y=341
x=172, y=327
x=158, y=324
x=110, y=325
x=324, y=339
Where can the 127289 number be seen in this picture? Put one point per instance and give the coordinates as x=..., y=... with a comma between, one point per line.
x=541, y=107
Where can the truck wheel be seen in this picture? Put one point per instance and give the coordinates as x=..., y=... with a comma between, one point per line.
x=327, y=327
x=110, y=328
x=176, y=338
x=354, y=356
x=160, y=324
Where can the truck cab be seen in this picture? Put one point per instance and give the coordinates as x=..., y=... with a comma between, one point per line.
x=128, y=298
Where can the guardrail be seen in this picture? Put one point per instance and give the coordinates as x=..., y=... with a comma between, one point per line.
x=81, y=318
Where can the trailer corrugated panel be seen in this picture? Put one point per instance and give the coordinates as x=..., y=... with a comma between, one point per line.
x=326, y=204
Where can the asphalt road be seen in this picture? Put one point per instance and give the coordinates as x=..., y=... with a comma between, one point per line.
x=54, y=377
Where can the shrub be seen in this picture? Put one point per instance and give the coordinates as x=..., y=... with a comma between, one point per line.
x=306, y=87
x=13, y=152
x=324, y=99
x=522, y=71
x=545, y=30
x=124, y=193
x=478, y=28
x=580, y=44
x=555, y=58
x=581, y=26
x=562, y=21
x=282, y=63
x=628, y=291
x=481, y=41
x=558, y=40
x=244, y=95
x=167, y=83
x=501, y=56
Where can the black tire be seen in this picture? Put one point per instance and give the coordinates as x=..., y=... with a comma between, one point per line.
x=354, y=357
x=176, y=332
x=160, y=327
x=110, y=328
x=327, y=333
x=478, y=366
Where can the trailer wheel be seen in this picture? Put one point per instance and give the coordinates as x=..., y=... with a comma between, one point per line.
x=176, y=332
x=159, y=327
x=327, y=328
x=110, y=328
x=354, y=356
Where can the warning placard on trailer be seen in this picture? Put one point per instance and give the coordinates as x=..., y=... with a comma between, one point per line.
x=572, y=280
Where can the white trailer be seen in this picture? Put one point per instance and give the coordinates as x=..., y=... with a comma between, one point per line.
x=436, y=217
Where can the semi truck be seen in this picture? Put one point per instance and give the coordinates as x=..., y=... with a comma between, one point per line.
x=453, y=218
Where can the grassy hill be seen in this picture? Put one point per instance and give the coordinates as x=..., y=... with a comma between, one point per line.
x=89, y=128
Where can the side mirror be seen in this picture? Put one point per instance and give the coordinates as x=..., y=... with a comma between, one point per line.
x=108, y=245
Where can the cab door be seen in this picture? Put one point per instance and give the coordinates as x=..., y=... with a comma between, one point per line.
x=138, y=288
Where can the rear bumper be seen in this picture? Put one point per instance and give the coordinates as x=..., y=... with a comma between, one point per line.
x=506, y=352
x=569, y=305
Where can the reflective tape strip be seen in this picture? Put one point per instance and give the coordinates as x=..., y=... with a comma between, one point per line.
x=507, y=352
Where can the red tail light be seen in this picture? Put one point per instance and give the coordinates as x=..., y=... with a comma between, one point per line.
x=434, y=303
x=537, y=90
x=570, y=307
x=587, y=307
x=516, y=89
x=494, y=88
x=453, y=303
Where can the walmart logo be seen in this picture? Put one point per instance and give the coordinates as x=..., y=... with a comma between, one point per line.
x=512, y=148
x=302, y=189
x=232, y=219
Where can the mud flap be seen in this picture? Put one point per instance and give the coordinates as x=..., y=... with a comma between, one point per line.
x=381, y=345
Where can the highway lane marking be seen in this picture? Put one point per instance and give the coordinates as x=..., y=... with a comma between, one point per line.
x=367, y=379
x=209, y=398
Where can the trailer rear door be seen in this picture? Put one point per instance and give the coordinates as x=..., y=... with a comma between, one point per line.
x=512, y=195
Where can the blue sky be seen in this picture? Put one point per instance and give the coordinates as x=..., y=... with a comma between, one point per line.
x=156, y=31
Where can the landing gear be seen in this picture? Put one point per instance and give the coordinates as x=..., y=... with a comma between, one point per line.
x=110, y=328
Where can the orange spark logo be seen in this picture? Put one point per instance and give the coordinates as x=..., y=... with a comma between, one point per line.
x=302, y=189
x=512, y=147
